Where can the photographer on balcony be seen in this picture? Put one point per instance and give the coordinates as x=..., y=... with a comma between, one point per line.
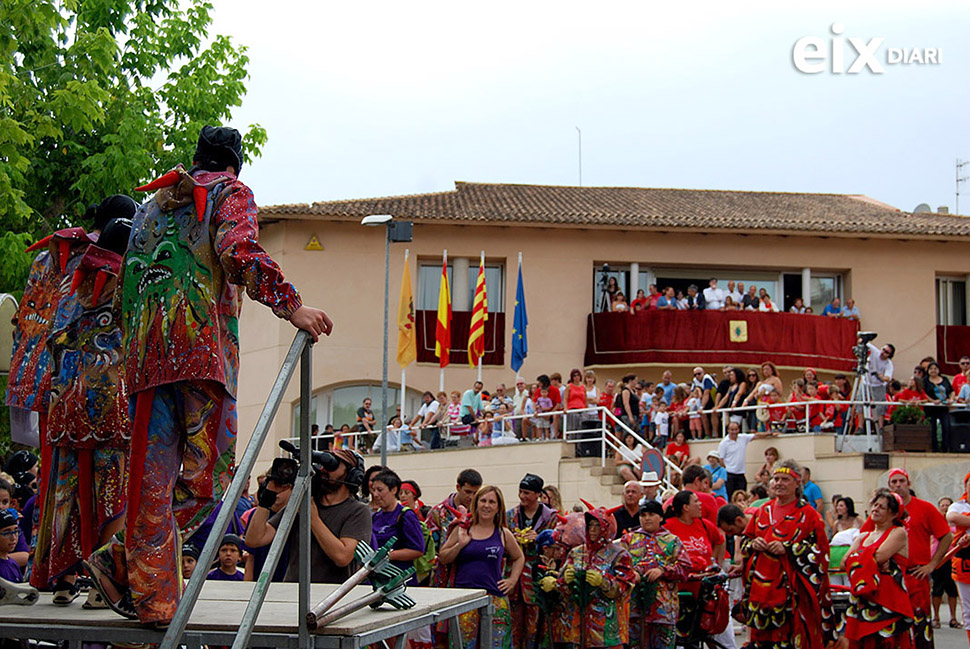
x=337, y=519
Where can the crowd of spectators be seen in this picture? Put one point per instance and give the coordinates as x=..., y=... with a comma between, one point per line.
x=713, y=298
x=665, y=412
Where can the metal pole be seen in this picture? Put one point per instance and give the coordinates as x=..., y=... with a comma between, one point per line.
x=580, y=133
x=387, y=278
x=306, y=501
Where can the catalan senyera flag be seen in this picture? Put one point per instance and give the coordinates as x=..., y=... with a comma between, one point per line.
x=476, y=334
x=407, y=344
x=442, y=329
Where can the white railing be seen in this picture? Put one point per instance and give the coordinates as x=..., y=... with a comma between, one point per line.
x=603, y=434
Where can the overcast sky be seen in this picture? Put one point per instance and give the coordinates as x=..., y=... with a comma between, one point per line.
x=383, y=98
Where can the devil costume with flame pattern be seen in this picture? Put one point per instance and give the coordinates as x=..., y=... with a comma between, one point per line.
x=190, y=247
x=88, y=428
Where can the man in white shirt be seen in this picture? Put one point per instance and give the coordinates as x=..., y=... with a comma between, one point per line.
x=732, y=451
x=713, y=296
x=736, y=295
x=425, y=418
x=880, y=372
x=519, y=397
x=429, y=406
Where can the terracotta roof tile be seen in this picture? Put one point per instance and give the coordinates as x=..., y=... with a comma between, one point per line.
x=634, y=207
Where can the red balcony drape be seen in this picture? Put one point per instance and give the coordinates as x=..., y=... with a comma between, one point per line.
x=787, y=339
x=952, y=342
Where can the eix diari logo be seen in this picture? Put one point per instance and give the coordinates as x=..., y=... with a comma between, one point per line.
x=813, y=54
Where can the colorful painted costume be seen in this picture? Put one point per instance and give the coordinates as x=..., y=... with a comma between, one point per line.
x=88, y=427
x=525, y=611
x=880, y=614
x=29, y=381
x=597, y=616
x=655, y=605
x=787, y=601
x=191, y=245
x=28, y=385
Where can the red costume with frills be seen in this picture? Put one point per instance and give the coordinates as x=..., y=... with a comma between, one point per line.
x=880, y=615
x=787, y=601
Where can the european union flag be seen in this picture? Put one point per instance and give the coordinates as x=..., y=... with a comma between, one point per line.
x=520, y=322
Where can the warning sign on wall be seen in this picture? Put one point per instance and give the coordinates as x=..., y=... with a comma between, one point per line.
x=313, y=244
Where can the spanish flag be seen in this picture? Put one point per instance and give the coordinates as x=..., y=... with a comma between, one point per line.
x=407, y=344
x=476, y=335
x=442, y=330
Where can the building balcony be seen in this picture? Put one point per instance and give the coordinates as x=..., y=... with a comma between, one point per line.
x=721, y=337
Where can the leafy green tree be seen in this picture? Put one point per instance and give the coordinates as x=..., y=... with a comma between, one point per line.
x=96, y=98
x=100, y=96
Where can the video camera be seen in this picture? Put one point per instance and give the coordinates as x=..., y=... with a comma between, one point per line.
x=605, y=276
x=861, y=349
x=326, y=461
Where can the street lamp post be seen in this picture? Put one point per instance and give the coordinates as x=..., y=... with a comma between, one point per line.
x=396, y=231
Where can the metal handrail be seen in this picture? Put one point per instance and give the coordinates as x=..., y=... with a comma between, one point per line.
x=299, y=352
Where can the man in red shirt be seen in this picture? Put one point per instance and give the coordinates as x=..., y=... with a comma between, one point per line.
x=922, y=522
x=545, y=382
x=961, y=376
x=696, y=479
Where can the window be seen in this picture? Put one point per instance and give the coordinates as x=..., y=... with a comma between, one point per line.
x=951, y=301
x=429, y=283
x=601, y=301
x=338, y=406
x=824, y=290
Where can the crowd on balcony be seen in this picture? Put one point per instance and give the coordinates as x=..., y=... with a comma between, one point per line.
x=713, y=298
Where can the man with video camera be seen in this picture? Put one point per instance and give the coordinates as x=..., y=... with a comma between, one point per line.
x=337, y=519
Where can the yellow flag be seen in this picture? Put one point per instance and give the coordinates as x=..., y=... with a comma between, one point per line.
x=407, y=346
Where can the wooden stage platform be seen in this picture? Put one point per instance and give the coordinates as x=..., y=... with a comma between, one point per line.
x=220, y=609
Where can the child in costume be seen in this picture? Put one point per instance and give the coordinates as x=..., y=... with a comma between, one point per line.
x=596, y=581
x=191, y=245
x=88, y=428
x=660, y=562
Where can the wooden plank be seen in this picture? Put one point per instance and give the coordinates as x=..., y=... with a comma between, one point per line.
x=222, y=605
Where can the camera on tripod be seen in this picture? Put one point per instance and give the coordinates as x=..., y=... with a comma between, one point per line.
x=861, y=350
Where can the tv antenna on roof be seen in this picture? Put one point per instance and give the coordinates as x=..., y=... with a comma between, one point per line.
x=960, y=179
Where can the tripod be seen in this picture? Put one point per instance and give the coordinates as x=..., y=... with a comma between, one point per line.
x=861, y=391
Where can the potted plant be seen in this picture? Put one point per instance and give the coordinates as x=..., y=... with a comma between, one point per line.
x=909, y=431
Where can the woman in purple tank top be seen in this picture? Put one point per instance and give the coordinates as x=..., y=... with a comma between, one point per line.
x=478, y=551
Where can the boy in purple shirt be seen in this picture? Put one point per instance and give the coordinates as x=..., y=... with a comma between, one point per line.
x=11, y=575
x=229, y=554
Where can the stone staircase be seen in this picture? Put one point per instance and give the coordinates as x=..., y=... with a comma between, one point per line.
x=605, y=475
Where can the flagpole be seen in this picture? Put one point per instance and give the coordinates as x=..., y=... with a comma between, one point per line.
x=404, y=370
x=482, y=265
x=513, y=315
x=441, y=375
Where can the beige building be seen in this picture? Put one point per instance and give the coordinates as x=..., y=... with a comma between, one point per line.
x=907, y=272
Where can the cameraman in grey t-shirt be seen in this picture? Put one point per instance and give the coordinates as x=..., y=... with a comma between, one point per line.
x=337, y=520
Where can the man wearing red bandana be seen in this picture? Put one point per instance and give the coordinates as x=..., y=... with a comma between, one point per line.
x=787, y=600
x=923, y=522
